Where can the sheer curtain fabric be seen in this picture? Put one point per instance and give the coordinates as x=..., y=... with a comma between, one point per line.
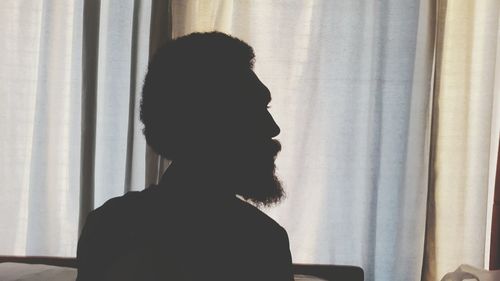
x=41, y=102
x=388, y=113
x=350, y=82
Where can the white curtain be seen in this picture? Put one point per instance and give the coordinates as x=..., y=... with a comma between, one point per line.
x=354, y=93
x=350, y=82
x=41, y=117
x=465, y=136
x=387, y=110
x=123, y=55
x=40, y=126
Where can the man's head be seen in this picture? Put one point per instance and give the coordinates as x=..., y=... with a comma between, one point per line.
x=201, y=100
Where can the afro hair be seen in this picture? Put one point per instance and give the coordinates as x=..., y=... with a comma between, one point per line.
x=183, y=82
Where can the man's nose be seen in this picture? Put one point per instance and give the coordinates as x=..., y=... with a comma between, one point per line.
x=274, y=128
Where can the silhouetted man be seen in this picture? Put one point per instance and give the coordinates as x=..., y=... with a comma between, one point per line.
x=205, y=109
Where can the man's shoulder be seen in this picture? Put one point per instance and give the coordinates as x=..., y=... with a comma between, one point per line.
x=135, y=219
x=141, y=204
x=119, y=221
x=111, y=230
x=125, y=209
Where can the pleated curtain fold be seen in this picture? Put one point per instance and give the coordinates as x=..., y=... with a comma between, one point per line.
x=389, y=116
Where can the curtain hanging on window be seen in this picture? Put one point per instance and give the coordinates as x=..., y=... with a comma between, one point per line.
x=40, y=105
x=350, y=82
x=353, y=92
x=70, y=76
x=465, y=134
x=388, y=110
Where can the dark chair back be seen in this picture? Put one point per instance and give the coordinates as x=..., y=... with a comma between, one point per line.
x=56, y=261
x=330, y=272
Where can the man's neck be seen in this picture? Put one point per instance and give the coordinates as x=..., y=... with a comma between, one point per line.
x=198, y=177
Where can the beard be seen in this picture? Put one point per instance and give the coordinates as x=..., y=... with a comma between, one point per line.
x=257, y=181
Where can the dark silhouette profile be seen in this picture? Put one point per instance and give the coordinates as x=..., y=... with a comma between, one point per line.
x=204, y=108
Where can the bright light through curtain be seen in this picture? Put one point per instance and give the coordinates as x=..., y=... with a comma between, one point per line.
x=41, y=117
x=40, y=126
x=352, y=90
x=465, y=136
x=350, y=83
x=386, y=165
x=123, y=55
